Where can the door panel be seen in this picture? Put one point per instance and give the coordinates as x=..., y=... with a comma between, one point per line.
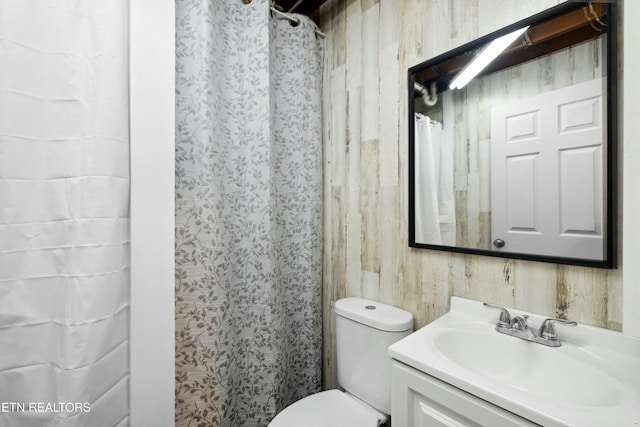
x=546, y=173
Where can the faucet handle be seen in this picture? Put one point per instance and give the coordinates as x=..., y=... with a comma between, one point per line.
x=505, y=316
x=548, y=331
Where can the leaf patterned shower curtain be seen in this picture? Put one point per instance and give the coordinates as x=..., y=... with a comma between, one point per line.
x=248, y=212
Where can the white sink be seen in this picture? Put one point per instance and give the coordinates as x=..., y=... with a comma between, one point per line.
x=592, y=379
x=531, y=367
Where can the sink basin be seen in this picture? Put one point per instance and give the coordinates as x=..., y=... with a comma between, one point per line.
x=531, y=367
x=592, y=379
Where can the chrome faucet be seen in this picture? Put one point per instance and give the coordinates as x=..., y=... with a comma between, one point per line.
x=518, y=326
x=547, y=331
x=505, y=316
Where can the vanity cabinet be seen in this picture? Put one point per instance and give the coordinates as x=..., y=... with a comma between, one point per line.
x=459, y=371
x=420, y=400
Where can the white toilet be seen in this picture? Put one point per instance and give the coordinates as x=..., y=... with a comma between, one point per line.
x=364, y=330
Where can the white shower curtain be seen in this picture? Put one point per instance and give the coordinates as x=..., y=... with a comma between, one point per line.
x=64, y=182
x=248, y=213
x=434, y=192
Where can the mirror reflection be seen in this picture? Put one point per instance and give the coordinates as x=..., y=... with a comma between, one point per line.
x=509, y=141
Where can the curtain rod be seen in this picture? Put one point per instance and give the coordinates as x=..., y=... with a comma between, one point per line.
x=294, y=19
x=294, y=7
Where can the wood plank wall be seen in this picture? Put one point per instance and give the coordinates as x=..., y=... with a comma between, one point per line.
x=369, y=46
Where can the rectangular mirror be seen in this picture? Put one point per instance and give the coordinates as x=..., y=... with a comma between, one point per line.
x=512, y=141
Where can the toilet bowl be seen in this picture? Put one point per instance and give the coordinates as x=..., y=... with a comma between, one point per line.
x=328, y=408
x=364, y=330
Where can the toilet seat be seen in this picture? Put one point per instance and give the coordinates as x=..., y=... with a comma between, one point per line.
x=328, y=408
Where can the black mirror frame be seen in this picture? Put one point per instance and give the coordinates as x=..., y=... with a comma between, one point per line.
x=611, y=240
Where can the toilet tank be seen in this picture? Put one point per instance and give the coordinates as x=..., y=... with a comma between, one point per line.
x=364, y=330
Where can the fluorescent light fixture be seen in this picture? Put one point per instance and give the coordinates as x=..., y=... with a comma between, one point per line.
x=485, y=58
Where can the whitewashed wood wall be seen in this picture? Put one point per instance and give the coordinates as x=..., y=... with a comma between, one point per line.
x=369, y=46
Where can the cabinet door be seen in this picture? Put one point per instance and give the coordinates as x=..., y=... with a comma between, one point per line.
x=419, y=400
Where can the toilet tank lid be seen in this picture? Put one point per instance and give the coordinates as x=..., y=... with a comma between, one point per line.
x=375, y=314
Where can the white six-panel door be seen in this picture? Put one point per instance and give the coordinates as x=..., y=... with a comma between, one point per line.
x=546, y=173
